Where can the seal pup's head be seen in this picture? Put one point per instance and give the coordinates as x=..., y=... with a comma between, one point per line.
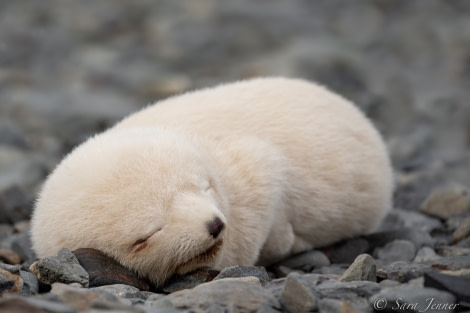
x=147, y=197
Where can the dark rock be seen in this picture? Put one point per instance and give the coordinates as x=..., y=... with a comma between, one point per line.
x=30, y=283
x=459, y=286
x=104, y=270
x=244, y=271
x=297, y=296
x=445, y=202
x=190, y=280
x=15, y=205
x=363, y=268
x=221, y=296
x=406, y=298
x=397, y=250
x=64, y=269
x=21, y=244
x=346, y=252
x=306, y=261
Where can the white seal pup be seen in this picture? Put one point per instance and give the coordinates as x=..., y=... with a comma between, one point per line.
x=243, y=173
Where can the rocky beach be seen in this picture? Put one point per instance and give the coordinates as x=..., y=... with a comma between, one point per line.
x=69, y=69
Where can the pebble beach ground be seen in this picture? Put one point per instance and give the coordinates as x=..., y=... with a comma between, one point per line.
x=69, y=69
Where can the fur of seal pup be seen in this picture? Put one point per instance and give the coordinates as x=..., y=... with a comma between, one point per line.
x=243, y=173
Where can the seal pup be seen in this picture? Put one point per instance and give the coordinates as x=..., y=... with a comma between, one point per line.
x=244, y=173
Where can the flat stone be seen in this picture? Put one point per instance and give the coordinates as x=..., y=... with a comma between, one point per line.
x=404, y=271
x=63, y=269
x=459, y=286
x=221, y=296
x=306, y=261
x=448, y=201
x=360, y=305
x=189, y=280
x=449, y=251
x=405, y=298
x=346, y=252
x=363, y=268
x=462, y=231
x=397, y=250
x=244, y=271
x=297, y=296
x=346, y=290
x=33, y=305
x=121, y=291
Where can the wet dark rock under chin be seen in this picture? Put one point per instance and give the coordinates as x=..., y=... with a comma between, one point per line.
x=86, y=65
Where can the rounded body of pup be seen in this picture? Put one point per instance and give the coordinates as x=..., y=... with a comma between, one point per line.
x=244, y=173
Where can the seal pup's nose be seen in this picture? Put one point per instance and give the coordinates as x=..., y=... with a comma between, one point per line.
x=215, y=227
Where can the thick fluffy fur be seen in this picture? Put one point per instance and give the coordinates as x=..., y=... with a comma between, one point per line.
x=285, y=164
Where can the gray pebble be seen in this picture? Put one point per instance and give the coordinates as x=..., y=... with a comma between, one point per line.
x=64, y=268
x=363, y=268
x=244, y=271
x=297, y=297
x=425, y=254
x=405, y=298
x=398, y=250
x=306, y=261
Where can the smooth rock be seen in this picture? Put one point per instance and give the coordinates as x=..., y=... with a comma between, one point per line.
x=346, y=252
x=21, y=244
x=244, y=271
x=78, y=298
x=221, y=296
x=445, y=202
x=459, y=286
x=306, y=261
x=33, y=305
x=418, y=237
x=190, y=280
x=462, y=231
x=405, y=298
x=426, y=254
x=63, y=269
x=363, y=268
x=297, y=297
x=359, y=305
x=397, y=250
x=9, y=256
x=8, y=282
x=121, y=291
x=103, y=270
x=399, y=218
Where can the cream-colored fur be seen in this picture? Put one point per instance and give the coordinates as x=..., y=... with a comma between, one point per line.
x=285, y=164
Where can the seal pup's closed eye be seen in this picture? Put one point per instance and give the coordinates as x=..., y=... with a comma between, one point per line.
x=244, y=173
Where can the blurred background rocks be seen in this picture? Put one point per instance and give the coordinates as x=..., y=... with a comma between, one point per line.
x=69, y=69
